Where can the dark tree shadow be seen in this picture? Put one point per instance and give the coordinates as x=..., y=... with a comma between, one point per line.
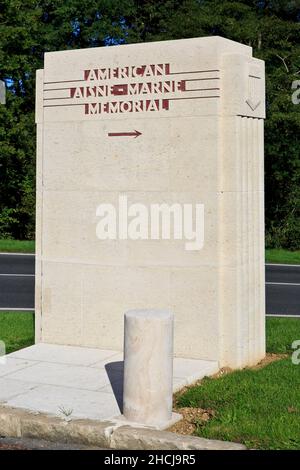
x=115, y=372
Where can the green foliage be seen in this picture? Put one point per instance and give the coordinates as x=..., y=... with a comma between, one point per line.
x=28, y=28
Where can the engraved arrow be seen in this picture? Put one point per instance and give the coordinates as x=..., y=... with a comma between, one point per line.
x=134, y=134
x=252, y=105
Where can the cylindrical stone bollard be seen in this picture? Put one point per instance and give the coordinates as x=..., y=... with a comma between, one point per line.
x=148, y=366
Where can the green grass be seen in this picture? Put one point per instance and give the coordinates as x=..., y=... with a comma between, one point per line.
x=258, y=407
x=16, y=330
x=281, y=332
x=17, y=246
x=282, y=256
x=272, y=255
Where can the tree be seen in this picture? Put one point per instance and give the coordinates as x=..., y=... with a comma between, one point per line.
x=31, y=27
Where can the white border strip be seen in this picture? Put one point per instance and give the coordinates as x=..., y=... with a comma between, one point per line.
x=281, y=315
x=282, y=284
x=17, y=254
x=16, y=309
x=283, y=265
x=17, y=275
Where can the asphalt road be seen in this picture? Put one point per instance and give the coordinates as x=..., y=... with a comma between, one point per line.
x=17, y=285
x=16, y=281
x=283, y=289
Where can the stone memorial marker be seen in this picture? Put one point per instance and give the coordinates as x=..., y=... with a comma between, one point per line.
x=126, y=135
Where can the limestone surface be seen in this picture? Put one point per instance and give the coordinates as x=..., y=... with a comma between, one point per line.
x=174, y=122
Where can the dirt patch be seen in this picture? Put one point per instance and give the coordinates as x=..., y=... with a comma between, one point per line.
x=192, y=417
x=270, y=357
x=221, y=372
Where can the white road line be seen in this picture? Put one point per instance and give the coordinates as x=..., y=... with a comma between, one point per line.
x=18, y=275
x=17, y=254
x=281, y=315
x=282, y=284
x=8, y=309
x=284, y=265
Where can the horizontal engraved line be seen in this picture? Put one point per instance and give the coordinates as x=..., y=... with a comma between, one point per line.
x=246, y=116
x=172, y=73
x=193, y=97
x=52, y=89
x=194, y=71
x=169, y=99
x=202, y=89
x=60, y=98
x=59, y=105
x=63, y=81
x=198, y=79
x=119, y=96
x=91, y=84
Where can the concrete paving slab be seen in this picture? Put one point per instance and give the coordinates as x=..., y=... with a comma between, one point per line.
x=118, y=389
x=64, y=375
x=68, y=402
x=117, y=357
x=86, y=382
x=65, y=354
x=189, y=369
x=10, y=365
x=10, y=388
